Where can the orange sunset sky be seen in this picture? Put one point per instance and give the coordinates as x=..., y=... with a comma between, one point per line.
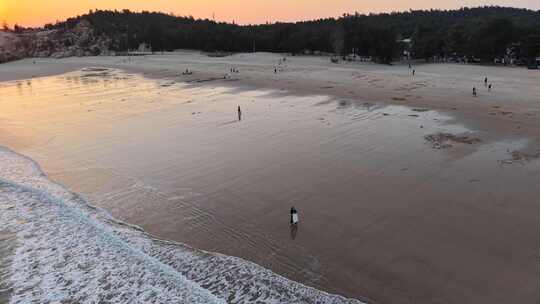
x=38, y=12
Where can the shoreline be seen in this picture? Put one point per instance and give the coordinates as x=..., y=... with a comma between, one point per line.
x=31, y=202
x=340, y=168
x=496, y=113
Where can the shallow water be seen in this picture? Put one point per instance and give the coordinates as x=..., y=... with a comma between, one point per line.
x=7, y=244
x=68, y=251
x=384, y=216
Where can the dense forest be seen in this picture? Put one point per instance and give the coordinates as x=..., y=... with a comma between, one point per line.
x=479, y=34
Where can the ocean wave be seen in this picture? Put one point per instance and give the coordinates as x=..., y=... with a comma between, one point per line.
x=68, y=251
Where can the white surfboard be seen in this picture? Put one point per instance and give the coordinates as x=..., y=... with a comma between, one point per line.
x=295, y=218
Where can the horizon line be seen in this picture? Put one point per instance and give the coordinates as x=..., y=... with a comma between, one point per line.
x=410, y=10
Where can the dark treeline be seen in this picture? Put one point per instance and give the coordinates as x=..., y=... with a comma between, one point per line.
x=482, y=34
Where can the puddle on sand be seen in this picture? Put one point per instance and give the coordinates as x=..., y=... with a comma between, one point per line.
x=173, y=159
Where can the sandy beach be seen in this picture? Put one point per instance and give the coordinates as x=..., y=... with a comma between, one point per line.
x=438, y=86
x=410, y=190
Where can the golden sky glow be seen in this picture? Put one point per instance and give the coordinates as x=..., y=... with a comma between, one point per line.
x=38, y=12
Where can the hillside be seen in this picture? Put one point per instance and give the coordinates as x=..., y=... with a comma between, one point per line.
x=79, y=40
x=479, y=34
x=8, y=46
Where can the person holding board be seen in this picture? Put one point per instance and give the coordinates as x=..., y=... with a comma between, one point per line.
x=294, y=216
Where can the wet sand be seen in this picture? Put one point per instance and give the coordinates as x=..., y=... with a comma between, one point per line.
x=384, y=215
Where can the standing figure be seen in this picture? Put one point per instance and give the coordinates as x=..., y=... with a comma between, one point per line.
x=294, y=216
x=485, y=81
x=413, y=72
x=489, y=87
x=239, y=114
x=474, y=91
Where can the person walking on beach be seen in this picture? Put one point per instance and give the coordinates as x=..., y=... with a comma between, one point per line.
x=239, y=114
x=294, y=216
x=485, y=81
x=474, y=91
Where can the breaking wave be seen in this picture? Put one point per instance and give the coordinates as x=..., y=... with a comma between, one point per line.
x=66, y=251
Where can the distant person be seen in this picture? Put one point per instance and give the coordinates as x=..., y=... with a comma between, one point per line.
x=413, y=72
x=275, y=71
x=485, y=81
x=239, y=114
x=294, y=216
x=474, y=91
x=489, y=87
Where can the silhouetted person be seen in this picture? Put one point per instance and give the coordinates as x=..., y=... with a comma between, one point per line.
x=489, y=87
x=413, y=72
x=294, y=216
x=485, y=81
x=474, y=91
x=239, y=114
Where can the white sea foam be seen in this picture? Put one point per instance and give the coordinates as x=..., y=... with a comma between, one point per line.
x=68, y=251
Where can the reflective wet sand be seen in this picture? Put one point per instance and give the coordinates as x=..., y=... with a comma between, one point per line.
x=384, y=215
